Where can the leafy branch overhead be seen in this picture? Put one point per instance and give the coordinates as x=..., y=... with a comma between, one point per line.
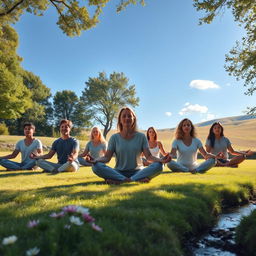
x=241, y=60
x=73, y=16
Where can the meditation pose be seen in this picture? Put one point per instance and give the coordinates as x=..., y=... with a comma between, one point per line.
x=186, y=146
x=127, y=145
x=25, y=147
x=95, y=148
x=155, y=146
x=220, y=145
x=66, y=148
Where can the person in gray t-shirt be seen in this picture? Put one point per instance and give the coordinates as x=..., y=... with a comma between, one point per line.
x=95, y=148
x=66, y=148
x=218, y=144
x=127, y=145
x=25, y=147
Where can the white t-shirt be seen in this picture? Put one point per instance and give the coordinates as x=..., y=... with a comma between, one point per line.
x=27, y=150
x=220, y=145
x=187, y=155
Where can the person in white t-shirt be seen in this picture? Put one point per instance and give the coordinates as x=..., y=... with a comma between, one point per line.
x=155, y=146
x=186, y=147
x=25, y=147
x=217, y=143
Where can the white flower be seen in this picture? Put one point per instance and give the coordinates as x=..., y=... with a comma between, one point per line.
x=9, y=240
x=76, y=220
x=82, y=210
x=32, y=251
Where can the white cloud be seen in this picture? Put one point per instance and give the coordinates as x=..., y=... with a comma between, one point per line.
x=190, y=108
x=203, y=84
x=208, y=117
x=168, y=113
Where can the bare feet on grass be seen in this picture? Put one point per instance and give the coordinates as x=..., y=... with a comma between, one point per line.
x=145, y=180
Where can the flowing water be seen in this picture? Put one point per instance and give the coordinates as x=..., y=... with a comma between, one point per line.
x=220, y=240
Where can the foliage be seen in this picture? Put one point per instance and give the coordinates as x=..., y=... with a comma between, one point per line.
x=241, y=60
x=167, y=212
x=68, y=106
x=3, y=129
x=105, y=96
x=246, y=233
x=73, y=16
x=15, y=98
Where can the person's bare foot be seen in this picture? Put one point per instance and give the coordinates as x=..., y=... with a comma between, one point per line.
x=145, y=180
x=234, y=166
x=113, y=182
x=9, y=170
x=193, y=171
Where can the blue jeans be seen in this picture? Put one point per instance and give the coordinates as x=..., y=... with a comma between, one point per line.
x=8, y=164
x=83, y=162
x=106, y=172
x=201, y=168
x=50, y=167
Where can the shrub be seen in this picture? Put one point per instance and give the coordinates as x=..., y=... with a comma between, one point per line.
x=3, y=129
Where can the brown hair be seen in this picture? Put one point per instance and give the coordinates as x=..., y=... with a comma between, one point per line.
x=68, y=122
x=211, y=135
x=179, y=134
x=155, y=137
x=102, y=139
x=29, y=124
x=120, y=126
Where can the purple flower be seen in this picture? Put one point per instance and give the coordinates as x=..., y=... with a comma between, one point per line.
x=96, y=227
x=57, y=215
x=88, y=218
x=70, y=209
x=32, y=223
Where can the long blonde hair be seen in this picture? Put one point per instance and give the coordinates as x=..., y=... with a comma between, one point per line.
x=119, y=124
x=179, y=134
x=101, y=137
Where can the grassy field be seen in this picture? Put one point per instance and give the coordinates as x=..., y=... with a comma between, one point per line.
x=137, y=219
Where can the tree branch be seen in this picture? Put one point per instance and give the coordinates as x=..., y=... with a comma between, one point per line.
x=12, y=8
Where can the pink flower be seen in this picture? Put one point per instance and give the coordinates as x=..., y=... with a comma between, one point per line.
x=32, y=223
x=96, y=227
x=88, y=218
x=57, y=215
x=69, y=209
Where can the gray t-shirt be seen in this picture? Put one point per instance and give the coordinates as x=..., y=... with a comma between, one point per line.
x=27, y=150
x=220, y=145
x=96, y=151
x=128, y=151
x=187, y=155
x=64, y=148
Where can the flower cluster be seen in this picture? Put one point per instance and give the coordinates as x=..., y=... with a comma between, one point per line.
x=77, y=215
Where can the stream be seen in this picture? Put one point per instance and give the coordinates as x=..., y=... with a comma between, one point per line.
x=220, y=240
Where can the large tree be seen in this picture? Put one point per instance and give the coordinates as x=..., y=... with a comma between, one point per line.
x=105, y=96
x=241, y=60
x=68, y=106
x=73, y=16
x=15, y=98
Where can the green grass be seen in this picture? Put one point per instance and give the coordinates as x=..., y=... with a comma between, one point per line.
x=137, y=219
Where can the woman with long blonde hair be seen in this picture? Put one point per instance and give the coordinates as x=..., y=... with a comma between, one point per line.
x=186, y=146
x=127, y=145
x=95, y=148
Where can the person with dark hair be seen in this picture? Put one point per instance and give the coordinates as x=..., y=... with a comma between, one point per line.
x=186, y=146
x=95, y=148
x=127, y=145
x=66, y=148
x=25, y=147
x=218, y=144
x=155, y=146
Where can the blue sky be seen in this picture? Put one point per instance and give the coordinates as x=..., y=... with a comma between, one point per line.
x=176, y=65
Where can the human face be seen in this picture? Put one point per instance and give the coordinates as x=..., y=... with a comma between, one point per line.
x=186, y=127
x=216, y=130
x=127, y=118
x=95, y=133
x=29, y=131
x=151, y=133
x=65, y=129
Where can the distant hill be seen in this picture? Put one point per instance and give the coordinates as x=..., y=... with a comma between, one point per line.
x=227, y=120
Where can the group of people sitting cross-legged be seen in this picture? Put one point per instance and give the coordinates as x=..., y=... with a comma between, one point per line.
x=138, y=158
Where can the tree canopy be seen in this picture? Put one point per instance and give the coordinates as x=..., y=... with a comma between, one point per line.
x=241, y=60
x=104, y=97
x=73, y=16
